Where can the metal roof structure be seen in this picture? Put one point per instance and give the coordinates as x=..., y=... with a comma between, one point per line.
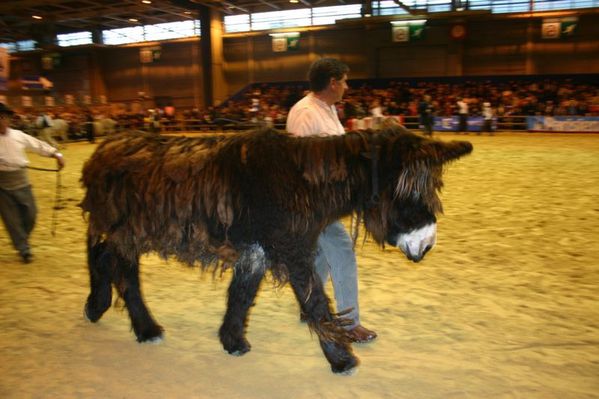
x=30, y=19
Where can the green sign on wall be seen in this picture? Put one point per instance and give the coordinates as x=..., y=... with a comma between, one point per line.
x=282, y=42
x=405, y=31
x=555, y=28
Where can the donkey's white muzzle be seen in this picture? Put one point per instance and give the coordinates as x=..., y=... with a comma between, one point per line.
x=417, y=243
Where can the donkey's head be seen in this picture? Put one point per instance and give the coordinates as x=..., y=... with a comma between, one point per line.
x=410, y=171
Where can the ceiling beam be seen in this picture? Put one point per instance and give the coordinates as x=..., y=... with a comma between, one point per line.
x=231, y=5
x=271, y=5
x=409, y=10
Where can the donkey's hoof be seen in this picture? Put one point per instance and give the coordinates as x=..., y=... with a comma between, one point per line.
x=85, y=315
x=155, y=340
x=238, y=348
x=89, y=315
x=151, y=334
x=348, y=367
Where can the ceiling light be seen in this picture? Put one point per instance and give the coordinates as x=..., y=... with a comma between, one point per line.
x=284, y=34
x=133, y=20
x=366, y=10
x=36, y=17
x=294, y=1
x=146, y=1
x=187, y=12
x=403, y=22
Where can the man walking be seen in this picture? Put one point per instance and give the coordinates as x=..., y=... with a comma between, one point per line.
x=17, y=204
x=462, y=115
x=314, y=115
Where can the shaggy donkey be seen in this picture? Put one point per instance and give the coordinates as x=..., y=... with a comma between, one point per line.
x=254, y=202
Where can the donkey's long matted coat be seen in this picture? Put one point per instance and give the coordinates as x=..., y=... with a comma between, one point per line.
x=255, y=201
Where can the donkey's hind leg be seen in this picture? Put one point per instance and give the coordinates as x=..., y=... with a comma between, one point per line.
x=315, y=305
x=100, y=264
x=247, y=274
x=126, y=280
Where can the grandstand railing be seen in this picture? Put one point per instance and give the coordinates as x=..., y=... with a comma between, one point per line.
x=504, y=123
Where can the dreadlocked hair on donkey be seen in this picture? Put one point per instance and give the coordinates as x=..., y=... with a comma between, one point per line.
x=254, y=202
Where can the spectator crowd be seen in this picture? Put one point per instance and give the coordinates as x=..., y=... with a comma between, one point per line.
x=268, y=104
x=545, y=97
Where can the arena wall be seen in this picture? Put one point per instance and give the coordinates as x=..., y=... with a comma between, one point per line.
x=493, y=45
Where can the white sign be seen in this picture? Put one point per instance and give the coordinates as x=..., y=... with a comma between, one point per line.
x=551, y=30
x=401, y=33
x=279, y=44
x=149, y=54
x=145, y=55
x=563, y=123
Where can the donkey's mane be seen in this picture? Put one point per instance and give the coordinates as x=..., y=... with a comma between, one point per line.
x=401, y=157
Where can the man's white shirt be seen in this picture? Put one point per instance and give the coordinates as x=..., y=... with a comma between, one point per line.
x=311, y=116
x=12, y=149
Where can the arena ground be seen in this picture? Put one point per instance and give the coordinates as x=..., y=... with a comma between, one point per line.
x=505, y=306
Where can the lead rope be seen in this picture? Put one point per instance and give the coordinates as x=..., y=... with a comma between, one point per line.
x=57, y=203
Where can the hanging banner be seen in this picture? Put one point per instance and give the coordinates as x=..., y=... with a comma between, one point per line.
x=555, y=28
x=282, y=42
x=293, y=42
x=451, y=123
x=568, y=26
x=405, y=31
x=279, y=44
x=149, y=54
x=550, y=29
x=400, y=33
x=4, y=68
x=563, y=123
x=416, y=31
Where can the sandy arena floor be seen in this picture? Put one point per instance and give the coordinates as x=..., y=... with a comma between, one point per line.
x=505, y=306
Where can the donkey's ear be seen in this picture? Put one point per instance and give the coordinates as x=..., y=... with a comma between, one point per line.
x=441, y=152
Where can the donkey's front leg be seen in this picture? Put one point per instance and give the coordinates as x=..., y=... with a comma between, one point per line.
x=315, y=305
x=247, y=275
x=126, y=281
x=100, y=263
